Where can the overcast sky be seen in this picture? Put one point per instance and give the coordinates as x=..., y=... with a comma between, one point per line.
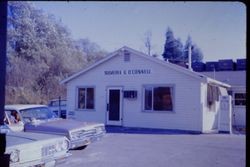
x=218, y=28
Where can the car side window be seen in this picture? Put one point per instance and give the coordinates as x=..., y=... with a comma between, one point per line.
x=63, y=103
x=12, y=117
x=27, y=115
x=41, y=114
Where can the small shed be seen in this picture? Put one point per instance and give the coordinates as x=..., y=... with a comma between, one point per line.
x=131, y=89
x=237, y=80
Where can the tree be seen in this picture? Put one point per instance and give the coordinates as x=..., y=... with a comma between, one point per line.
x=196, y=53
x=179, y=49
x=91, y=50
x=148, y=41
x=174, y=50
x=172, y=47
x=40, y=53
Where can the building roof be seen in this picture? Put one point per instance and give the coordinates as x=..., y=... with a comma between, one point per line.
x=233, y=78
x=175, y=67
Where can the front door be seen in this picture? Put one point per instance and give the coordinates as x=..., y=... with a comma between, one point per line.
x=114, y=103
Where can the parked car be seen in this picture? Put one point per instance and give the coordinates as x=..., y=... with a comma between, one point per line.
x=40, y=119
x=36, y=149
x=59, y=107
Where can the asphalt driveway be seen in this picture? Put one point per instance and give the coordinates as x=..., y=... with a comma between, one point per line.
x=149, y=149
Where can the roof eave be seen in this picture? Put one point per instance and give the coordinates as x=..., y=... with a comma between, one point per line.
x=213, y=81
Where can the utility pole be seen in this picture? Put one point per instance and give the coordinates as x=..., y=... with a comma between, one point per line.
x=189, y=57
x=59, y=109
x=4, y=158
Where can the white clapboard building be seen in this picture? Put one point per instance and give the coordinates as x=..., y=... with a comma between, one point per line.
x=130, y=89
x=237, y=80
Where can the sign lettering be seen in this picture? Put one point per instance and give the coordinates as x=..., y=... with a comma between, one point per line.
x=128, y=72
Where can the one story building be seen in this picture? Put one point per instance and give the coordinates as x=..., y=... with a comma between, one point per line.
x=128, y=88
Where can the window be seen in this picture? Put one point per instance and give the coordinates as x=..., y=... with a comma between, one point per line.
x=158, y=98
x=85, y=98
x=240, y=99
x=126, y=56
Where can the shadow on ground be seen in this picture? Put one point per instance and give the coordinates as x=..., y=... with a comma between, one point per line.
x=134, y=130
x=239, y=130
x=131, y=130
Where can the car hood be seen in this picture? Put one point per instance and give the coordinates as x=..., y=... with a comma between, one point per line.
x=59, y=126
x=17, y=138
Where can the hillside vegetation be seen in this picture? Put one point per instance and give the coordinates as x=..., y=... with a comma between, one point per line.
x=40, y=53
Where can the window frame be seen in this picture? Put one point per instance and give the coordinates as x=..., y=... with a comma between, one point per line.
x=86, y=96
x=234, y=99
x=127, y=56
x=152, y=86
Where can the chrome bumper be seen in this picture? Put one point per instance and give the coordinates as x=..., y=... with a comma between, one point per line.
x=80, y=143
x=86, y=140
x=51, y=161
x=98, y=136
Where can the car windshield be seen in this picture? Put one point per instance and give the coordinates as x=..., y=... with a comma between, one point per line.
x=40, y=113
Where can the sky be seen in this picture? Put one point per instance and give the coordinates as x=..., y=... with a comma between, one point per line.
x=217, y=28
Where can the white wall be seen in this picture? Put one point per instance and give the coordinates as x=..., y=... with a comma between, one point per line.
x=210, y=114
x=239, y=112
x=187, y=113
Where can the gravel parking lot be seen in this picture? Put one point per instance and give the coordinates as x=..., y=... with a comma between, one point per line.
x=161, y=150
